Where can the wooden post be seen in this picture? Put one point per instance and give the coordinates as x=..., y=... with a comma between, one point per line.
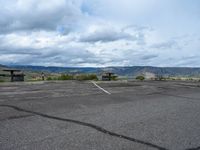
x=12, y=75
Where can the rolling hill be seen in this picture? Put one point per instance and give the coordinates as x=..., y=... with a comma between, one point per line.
x=121, y=71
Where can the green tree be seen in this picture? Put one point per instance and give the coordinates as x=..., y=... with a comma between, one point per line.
x=141, y=78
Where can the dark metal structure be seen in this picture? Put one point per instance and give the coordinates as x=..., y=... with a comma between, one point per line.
x=43, y=76
x=13, y=75
x=108, y=76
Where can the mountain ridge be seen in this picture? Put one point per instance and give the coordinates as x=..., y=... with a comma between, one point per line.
x=121, y=71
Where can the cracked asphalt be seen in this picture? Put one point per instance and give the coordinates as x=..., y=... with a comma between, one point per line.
x=75, y=115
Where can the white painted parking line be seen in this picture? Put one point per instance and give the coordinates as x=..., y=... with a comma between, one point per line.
x=101, y=88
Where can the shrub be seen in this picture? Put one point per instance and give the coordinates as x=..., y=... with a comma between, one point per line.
x=49, y=78
x=2, y=80
x=86, y=77
x=141, y=78
x=66, y=77
x=160, y=78
x=114, y=78
x=92, y=77
x=72, y=77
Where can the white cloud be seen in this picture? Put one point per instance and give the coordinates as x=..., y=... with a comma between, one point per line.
x=99, y=32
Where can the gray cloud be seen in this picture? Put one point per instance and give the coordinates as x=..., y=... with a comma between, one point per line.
x=148, y=57
x=19, y=51
x=138, y=28
x=69, y=57
x=165, y=45
x=110, y=33
x=188, y=61
x=105, y=36
x=36, y=14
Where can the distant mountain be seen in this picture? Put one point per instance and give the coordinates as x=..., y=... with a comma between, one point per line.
x=59, y=69
x=164, y=71
x=2, y=66
x=121, y=71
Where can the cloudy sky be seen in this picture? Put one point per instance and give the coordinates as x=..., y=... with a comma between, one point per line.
x=100, y=33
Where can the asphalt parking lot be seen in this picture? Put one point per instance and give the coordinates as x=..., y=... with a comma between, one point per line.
x=76, y=115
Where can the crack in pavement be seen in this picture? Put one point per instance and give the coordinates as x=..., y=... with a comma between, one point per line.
x=98, y=128
x=178, y=96
x=196, y=148
x=16, y=117
x=172, y=95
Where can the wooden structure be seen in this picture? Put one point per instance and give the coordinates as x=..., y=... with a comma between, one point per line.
x=13, y=76
x=108, y=76
x=42, y=76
